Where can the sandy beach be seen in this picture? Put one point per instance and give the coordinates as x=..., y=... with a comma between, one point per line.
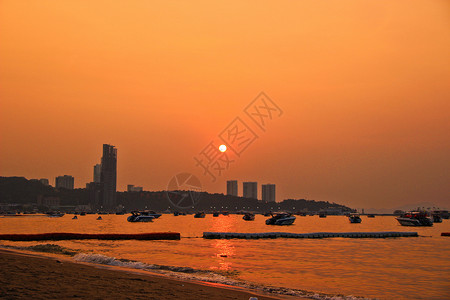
x=24, y=275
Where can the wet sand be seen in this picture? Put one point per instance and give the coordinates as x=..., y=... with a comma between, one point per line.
x=24, y=275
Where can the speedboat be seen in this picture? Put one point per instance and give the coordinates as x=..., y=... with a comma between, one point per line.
x=152, y=213
x=281, y=219
x=199, y=215
x=54, y=214
x=354, y=218
x=415, y=219
x=249, y=217
x=137, y=216
x=99, y=218
x=437, y=218
x=215, y=214
x=74, y=218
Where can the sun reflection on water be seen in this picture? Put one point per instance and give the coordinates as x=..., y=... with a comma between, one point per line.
x=223, y=249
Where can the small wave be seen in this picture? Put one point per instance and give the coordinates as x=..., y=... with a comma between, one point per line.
x=186, y=273
x=46, y=248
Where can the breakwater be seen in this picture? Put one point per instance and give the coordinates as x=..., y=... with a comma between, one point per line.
x=57, y=236
x=315, y=235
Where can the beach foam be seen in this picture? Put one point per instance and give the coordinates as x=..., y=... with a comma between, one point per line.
x=187, y=273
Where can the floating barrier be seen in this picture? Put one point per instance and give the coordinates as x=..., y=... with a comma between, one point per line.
x=85, y=236
x=316, y=235
x=445, y=234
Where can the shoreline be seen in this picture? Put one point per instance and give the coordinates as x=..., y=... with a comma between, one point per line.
x=28, y=274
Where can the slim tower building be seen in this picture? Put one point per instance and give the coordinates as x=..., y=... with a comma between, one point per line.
x=108, y=176
x=268, y=192
x=232, y=188
x=250, y=190
x=97, y=173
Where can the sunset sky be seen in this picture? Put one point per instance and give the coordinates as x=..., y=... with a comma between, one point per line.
x=364, y=87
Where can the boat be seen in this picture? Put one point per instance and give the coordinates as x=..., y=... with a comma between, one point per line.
x=415, y=218
x=249, y=217
x=82, y=213
x=281, y=219
x=371, y=216
x=74, y=218
x=302, y=214
x=215, y=214
x=54, y=214
x=99, y=218
x=322, y=215
x=354, y=218
x=442, y=213
x=437, y=218
x=140, y=216
x=152, y=213
x=199, y=215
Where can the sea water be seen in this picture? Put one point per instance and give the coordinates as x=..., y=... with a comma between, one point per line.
x=384, y=268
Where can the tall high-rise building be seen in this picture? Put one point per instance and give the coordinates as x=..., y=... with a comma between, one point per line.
x=97, y=173
x=250, y=190
x=66, y=182
x=232, y=187
x=108, y=177
x=268, y=192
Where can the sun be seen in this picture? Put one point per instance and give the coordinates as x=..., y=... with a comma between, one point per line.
x=222, y=148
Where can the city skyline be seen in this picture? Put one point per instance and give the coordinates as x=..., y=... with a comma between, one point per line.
x=363, y=89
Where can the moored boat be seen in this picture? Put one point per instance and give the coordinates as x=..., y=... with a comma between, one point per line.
x=199, y=215
x=354, y=218
x=152, y=213
x=437, y=218
x=138, y=216
x=415, y=218
x=249, y=217
x=281, y=219
x=371, y=216
x=215, y=214
x=322, y=215
x=54, y=214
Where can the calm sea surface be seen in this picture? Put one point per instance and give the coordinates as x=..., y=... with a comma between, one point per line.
x=400, y=268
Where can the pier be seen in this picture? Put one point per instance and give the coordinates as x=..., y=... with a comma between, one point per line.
x=316, y=235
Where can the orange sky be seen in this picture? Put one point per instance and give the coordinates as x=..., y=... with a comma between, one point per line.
x=364, y=87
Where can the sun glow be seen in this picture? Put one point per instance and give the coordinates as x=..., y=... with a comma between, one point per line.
x=222, y=148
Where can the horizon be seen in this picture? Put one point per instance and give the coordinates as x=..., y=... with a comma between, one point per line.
x=359, y=95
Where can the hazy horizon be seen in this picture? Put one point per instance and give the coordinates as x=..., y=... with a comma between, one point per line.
x=363, y=87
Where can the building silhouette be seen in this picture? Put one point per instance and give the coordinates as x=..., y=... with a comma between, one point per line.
x=268, y=192
x=94, y=193
x=44, y=181
x=66, y=182
x=250, y=190
x=108, y=177
x=232, y=187
x=97, y=172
